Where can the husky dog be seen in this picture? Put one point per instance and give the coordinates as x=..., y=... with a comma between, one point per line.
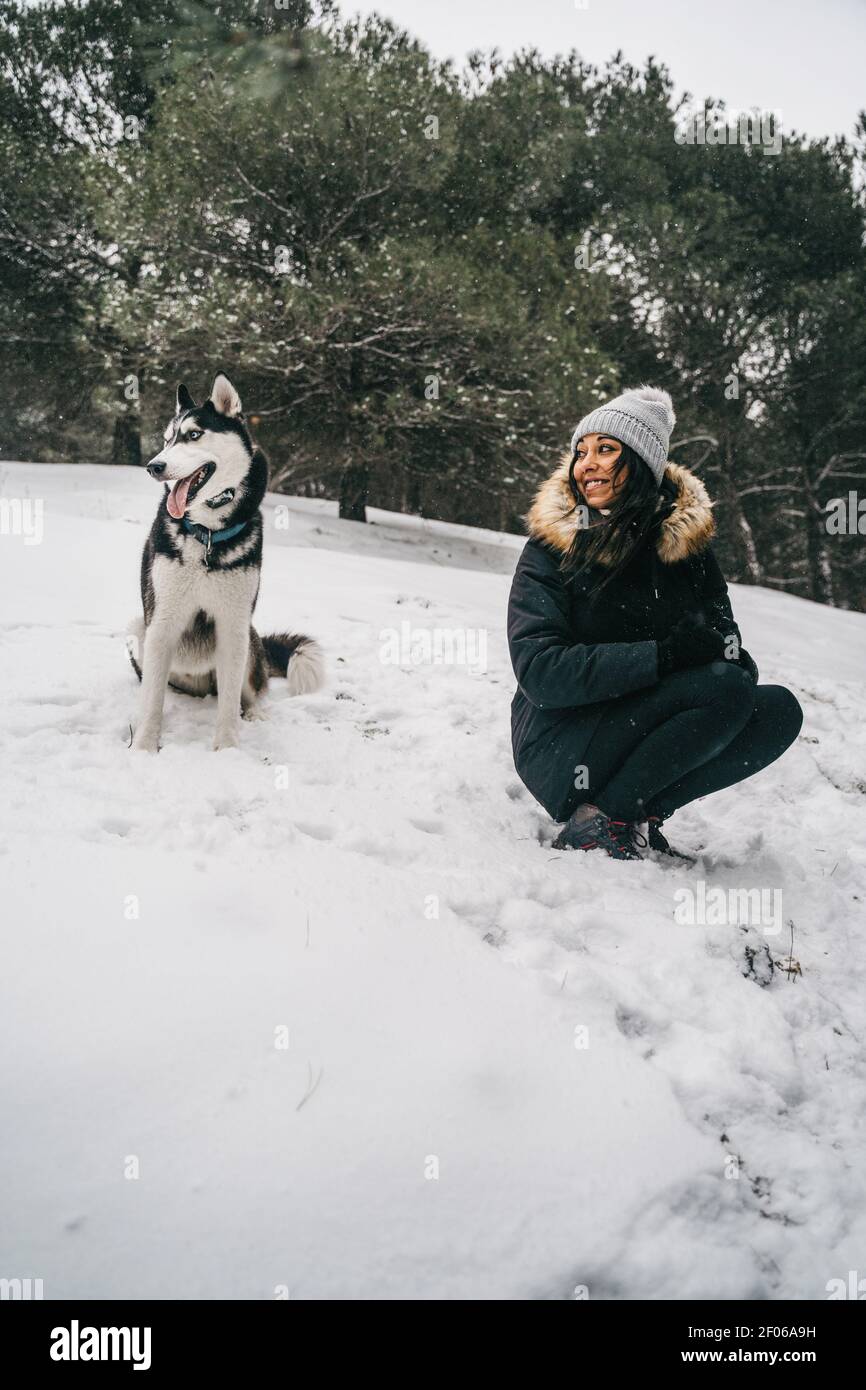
x=200, y=575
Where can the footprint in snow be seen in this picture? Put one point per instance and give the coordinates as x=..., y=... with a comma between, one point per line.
x=395, y=856
x=114, y=825
x=633, y=1024
x=63, y=701
x=316, y=832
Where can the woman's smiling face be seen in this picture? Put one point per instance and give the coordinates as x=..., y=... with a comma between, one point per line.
x=595, y=461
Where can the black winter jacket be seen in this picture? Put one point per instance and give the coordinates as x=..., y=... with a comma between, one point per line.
x=571, y=654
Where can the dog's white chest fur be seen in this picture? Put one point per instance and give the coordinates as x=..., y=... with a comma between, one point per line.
x=190, y=587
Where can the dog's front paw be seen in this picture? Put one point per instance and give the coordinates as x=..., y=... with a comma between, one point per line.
x=254, y=712
x=145, y=743
x=227, y=739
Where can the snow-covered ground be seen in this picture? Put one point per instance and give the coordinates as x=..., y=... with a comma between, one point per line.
x=509, y=1073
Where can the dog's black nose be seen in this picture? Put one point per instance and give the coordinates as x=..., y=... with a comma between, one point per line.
x=155, y=469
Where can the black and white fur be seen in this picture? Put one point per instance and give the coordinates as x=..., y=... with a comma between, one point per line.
x=198, y=598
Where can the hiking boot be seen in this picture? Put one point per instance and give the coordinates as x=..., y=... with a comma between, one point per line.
x=658, y=842
x=590, y=828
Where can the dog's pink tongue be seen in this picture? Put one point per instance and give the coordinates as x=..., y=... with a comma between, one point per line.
x=176, y=500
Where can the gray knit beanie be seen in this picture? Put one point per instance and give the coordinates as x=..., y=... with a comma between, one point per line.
x=642, y=418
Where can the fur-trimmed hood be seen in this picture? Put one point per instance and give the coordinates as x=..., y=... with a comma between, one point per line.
x=687, y=531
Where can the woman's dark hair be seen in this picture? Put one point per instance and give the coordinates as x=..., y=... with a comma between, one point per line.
x=635, y=515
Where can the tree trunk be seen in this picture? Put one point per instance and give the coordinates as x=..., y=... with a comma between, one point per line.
x=355, y=480
x=820, y=567
x=754, y=567
x=126, y=445
x=354, y=488
x=412, y=494
x=817, y=548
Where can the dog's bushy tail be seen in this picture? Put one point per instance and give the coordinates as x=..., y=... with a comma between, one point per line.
x=300, y=659
x=135, y=642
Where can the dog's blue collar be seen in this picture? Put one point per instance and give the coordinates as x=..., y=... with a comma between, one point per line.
x=209, y=538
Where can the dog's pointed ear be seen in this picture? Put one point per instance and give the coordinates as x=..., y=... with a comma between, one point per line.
x=224, y=396
x=184, y=399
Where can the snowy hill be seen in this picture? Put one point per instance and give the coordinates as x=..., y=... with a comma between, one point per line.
x=508, y=1073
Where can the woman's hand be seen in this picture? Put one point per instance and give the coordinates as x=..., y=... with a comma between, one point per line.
x=690, y=643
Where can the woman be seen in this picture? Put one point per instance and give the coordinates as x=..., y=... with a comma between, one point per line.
x=635, y=695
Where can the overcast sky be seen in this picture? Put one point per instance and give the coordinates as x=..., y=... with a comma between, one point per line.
x=802, y=58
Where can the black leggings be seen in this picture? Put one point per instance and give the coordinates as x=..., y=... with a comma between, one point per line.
x=694, y=733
